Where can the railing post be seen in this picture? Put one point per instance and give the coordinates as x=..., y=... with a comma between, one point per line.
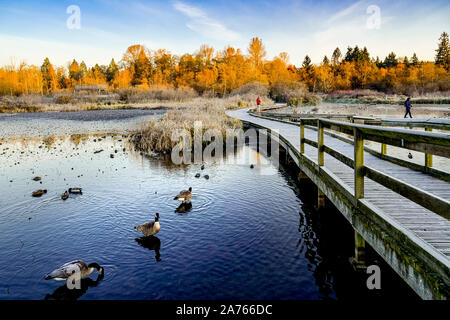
x=359, y=163
x=302, y=136
x=320, y=158
x=383, y=146
x=428, y=156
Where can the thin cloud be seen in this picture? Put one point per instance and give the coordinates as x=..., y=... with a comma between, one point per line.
x=200, y=22
x=345, y=12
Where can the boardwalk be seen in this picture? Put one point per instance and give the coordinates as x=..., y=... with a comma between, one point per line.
x=416, y=224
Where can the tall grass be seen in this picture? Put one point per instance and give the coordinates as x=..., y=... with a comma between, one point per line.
x=156, y=135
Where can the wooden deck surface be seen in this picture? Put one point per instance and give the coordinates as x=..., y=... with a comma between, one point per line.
x=426, y=225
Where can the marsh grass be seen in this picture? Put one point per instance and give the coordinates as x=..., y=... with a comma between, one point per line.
x=156, y=135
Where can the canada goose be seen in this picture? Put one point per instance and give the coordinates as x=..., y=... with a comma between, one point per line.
x=150, y=228
x=197, y=175
x=410, y=155
x=65, y=195
x=76, y=190
x=69, y=268
x=64, y=293
x=184, y=195
x=39, y=193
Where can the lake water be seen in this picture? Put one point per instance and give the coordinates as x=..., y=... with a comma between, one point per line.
x=250, y=234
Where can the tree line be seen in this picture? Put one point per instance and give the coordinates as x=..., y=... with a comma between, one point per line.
x=220, y=72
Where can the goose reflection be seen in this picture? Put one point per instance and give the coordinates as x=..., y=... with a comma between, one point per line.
x=152, y=243
x=184, y=207
x=65, y=294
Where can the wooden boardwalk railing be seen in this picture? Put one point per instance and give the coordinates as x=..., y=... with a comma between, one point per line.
x=403, y=213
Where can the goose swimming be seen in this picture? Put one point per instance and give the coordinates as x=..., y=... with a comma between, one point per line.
x=69, y=268
x=184, y=195
x=150, y=228
x=65, y=195
x=76, y=190
x=39, y=193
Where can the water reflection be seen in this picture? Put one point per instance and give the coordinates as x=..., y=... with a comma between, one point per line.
x=184, y=208
x=152, y=243
x=65, y=294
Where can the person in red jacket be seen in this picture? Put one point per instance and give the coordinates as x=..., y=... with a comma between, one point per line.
x=258, y=104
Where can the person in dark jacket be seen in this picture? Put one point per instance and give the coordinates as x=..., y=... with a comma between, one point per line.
x=408, y=108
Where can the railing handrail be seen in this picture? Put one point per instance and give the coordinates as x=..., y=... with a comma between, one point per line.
x=359, y=133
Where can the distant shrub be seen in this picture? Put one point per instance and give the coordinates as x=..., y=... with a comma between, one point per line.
x=62, y=99
x=294, y=94
x=254, y=88
x=134, y=95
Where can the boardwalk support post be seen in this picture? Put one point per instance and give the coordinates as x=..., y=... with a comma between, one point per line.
x=359, y=163
x=428, y=156
x=320, y=199
x=359, y=260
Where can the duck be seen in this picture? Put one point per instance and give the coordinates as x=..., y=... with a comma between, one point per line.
x=252, y=166
x=202, y=167
x=197, y=175
x=206, y=176
x=184, y=195
x=76, y=190
x=65, y=195
x=67, y=269
x=37, y=179
x=410, y=155
x=150, y=228
x=39, y=193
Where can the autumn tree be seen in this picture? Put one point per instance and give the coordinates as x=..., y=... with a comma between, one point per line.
x=257, y=53
x=137, y=60
x=49, y=79
x=75, y=73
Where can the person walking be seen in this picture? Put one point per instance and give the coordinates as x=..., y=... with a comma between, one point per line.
x=408, y=108
x=258, y=104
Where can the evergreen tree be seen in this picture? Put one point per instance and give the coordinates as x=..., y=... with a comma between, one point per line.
x=414, y=60
x=307, y=64
x=336, y=57
x=443, y=52
x=326, y=61
x=111, y=71
x=390, y=61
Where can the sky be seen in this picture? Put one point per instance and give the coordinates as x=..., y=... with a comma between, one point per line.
x=30, y=31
